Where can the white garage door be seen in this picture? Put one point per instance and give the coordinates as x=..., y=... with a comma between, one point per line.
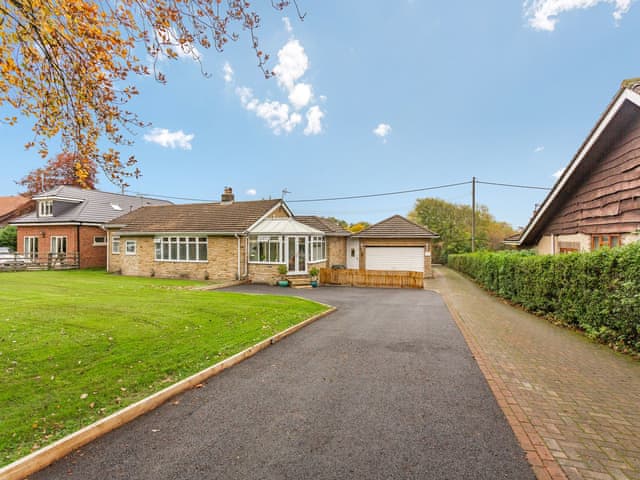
x=395, y=258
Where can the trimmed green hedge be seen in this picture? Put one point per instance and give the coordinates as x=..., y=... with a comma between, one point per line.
x=598, y=292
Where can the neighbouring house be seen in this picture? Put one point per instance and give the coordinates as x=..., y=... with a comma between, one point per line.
x=231, y=240
x=392, y=244
x=67, y=226
x=14, y=207
x=596, y=201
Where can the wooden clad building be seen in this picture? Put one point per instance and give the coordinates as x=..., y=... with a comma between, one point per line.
x=596, y=201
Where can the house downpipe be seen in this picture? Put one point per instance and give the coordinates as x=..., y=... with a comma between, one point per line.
x=239, y=275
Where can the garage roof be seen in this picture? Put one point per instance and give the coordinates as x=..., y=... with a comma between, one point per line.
x=396, y=227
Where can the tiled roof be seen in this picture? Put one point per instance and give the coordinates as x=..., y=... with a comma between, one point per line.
x=229, y=218
x=396, y=227
x=329, y=227
x=10, y=204
x=87, y=206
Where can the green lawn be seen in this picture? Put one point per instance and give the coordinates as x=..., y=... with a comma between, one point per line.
x=76, y=346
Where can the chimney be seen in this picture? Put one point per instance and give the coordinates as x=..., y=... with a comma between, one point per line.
x=227, y=196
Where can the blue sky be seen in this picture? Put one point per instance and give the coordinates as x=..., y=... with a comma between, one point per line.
x=378, y=97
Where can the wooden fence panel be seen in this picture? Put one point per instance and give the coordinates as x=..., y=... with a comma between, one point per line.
x=32, y=261
x=372, y=278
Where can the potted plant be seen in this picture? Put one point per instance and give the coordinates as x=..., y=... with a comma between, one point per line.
x=314, y=276
x=282, y=270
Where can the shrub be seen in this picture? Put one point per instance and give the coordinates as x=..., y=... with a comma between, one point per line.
x=598, y=292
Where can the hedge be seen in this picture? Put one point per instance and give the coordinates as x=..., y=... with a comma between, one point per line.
x=598, y=292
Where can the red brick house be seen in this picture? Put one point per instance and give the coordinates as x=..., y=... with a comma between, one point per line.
x=67, y=226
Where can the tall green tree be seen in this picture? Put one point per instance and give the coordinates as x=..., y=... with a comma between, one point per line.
x=453, y=223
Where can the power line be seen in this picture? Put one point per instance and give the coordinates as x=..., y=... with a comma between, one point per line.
x=153, y=195
x=399, y=192
x=512, y=185
x=352, y=197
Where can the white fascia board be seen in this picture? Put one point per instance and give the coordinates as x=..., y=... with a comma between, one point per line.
x=627, y=95
x=55, y=197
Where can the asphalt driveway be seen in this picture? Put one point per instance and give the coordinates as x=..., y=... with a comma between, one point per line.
x=383, y=388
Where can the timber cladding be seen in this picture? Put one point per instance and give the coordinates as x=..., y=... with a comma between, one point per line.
x=607, y=198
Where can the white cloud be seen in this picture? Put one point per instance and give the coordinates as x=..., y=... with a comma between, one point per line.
x=558, y=173
x=287, y=24
x=167, y=139
x=292, y=64
x=538, y=149
x=543, y=14
x=277, y=115
x=314, y=121
x=227, y=72
x=251, y=192
x=382, y=130
x=280, y=116
x=300, y=95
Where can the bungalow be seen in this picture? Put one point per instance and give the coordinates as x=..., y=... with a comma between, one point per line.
x=596, y=201
x=68, y=225
x=231, y=240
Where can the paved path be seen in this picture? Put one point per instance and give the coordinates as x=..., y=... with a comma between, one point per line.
x=569, y=398
x=384, y=388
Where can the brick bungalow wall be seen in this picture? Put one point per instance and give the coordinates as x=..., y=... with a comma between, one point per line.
x=90, y=256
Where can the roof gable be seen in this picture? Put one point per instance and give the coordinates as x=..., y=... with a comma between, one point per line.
x=625, y=105
x=396, y=227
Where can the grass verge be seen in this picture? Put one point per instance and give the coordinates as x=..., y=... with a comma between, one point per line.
x=76, y=346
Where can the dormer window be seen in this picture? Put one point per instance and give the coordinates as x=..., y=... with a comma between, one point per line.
x=45, y=208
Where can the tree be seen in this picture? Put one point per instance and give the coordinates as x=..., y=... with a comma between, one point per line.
x=67, y=64
x=358, y=226
x=453, y=223
x=9, y=237
x=63, y=169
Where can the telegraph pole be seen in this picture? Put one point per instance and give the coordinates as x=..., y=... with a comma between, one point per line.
x=473, y=214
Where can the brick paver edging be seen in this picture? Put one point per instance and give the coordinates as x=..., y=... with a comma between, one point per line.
x=543, y=463
x=46, y=456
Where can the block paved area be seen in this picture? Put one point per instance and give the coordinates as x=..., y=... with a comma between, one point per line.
x=570, y=402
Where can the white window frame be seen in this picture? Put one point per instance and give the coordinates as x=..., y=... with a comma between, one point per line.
x=260, y=242
x=29, y=242
x=45, y=208
x=127, y=243
x=317, y=241
x=99, y=244
x=115, y=240
x=55, y=244
x=166, y=246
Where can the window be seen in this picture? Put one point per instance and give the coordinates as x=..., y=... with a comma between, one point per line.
x=181, y=249
x=31, y=247
x=115, y=245
x=318, y=249
x=266, y=249
x=45, y=208
x=58, y=245
x=130, y=247
x=600, y=241
x=99, y=241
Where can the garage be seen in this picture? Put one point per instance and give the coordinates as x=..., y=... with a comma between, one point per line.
x=395, y=258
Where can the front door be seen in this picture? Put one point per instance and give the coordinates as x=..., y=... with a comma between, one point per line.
x=297, y=254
